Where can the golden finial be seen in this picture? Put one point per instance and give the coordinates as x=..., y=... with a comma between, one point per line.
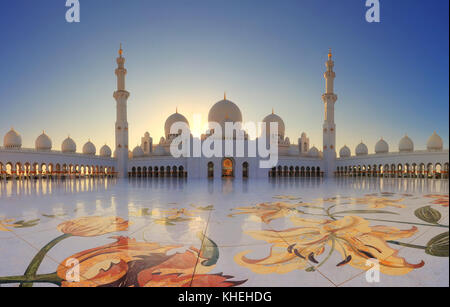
x=273, y=112
x=330, y=54
x=225, y=96
x=120, y=50
x=176, y=110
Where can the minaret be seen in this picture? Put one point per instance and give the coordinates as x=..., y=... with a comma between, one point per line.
x=329, y=127
x=121, y=96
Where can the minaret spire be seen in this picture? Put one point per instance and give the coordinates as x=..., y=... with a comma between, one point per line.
x=121, y=95
x=329, y=127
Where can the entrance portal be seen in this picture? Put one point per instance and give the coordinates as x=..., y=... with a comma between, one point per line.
x=227, y=168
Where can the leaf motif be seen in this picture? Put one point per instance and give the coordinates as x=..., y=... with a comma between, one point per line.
x=206, y=208
x=164, y=222
x=438, y=246
x=209, y=250
x=52, y=216
x=26, y=224
x=428, y=214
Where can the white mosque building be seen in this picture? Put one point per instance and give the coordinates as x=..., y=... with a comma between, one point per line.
x=155, y=160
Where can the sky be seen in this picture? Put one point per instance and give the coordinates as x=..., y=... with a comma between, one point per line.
x=391, y=77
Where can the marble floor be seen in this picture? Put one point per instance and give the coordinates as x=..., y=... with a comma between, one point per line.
x=174, y=232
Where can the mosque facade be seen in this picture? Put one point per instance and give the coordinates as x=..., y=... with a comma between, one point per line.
x=294, y=159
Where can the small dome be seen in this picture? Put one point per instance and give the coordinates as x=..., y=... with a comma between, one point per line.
x=273, y=118
x=12, y=139
x=287, y=141
x=345, y=152
x=68, y=145
x=435, y=143
x=406, y=144
x=172, y=119
x=313, y=152
x=147, y=134
x=224, y=111
x=381, y=147
x=361, y=149
x=89, y=149
x=162, y=140
x=105, y=151
x=43, y=142
x=159, y=151
x=138, y=152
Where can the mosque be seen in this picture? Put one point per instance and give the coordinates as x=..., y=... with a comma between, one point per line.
x=155, y=160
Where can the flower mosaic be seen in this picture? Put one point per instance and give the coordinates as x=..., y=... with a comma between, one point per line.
x=126, y=262
x=267, y=211
x=309, y=243
x=438, y=199
x=298, y=248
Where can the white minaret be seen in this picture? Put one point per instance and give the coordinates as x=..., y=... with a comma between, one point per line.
x=121, y=96
x=329, y=127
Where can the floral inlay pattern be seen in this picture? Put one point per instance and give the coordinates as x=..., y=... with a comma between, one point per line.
x=351, y=236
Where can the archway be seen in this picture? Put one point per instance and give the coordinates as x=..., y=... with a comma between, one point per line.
x=245, y=170
x=174, y=171
x=227, y=167
x=210, y=170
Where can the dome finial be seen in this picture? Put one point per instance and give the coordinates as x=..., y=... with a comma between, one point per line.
x=176, y=110
x=224, y=95
x=273, y=112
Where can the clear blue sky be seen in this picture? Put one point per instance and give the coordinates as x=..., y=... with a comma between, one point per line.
x=392, y=77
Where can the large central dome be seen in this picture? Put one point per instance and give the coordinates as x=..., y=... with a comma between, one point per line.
x=172, y=119
x=225, y=111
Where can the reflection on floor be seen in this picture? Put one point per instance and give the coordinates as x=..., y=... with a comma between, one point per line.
x=178, y=232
